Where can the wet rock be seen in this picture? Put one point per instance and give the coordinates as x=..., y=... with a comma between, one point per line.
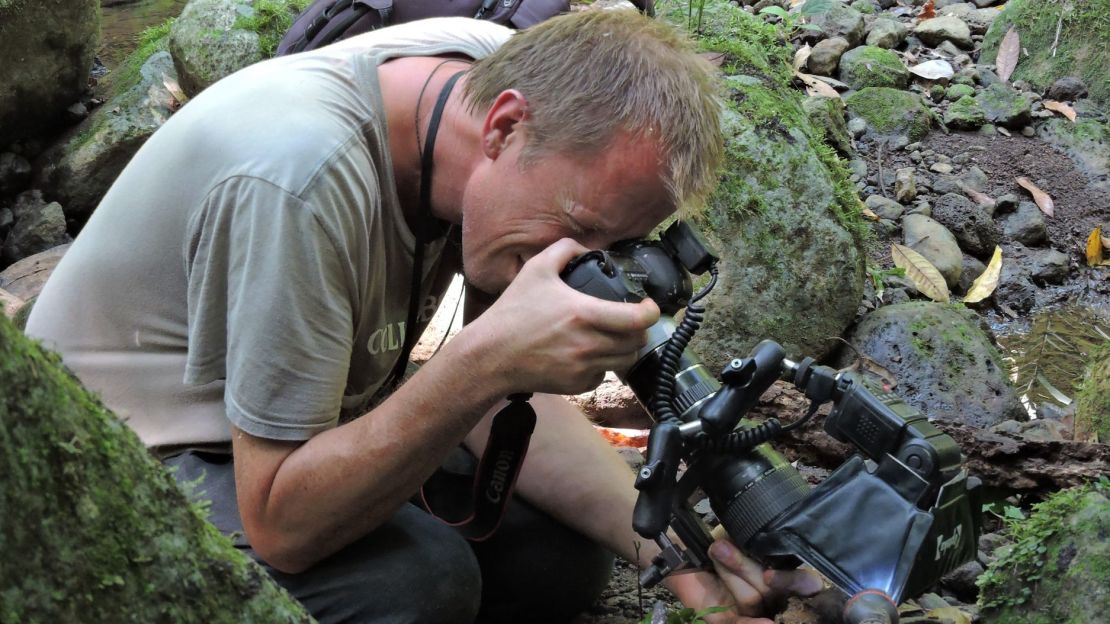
x=47, y=52
x=978, y=20
x=1067, y=89
x=974, y=179
x=949, y=49
x=885, y=208
x=964, y=114
x=37, y=228
x=828, y=114
x=841, y=21
x=1051, y=411
x=76, y=113
x=1087, y=141
x=945, y=28
x=1056, y=569
x=1006, y=203
x=899, y=117
x=961, y=581
x=974, y=229
x=1015, y=288
x=944, y=362
x=958, y=91
x=825, y=57
x=80, y=167
x=905, y=187
x=973, y=268
x=858, y=167
x=15, y=173
x=206, y=45
x=886, y=33
x=1025, y=225
x=1004, y=106
x=870, y=66
x=857, y=127
x=929, y=238
x=1044, y=266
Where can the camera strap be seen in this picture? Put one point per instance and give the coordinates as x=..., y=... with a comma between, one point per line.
x=494, y=479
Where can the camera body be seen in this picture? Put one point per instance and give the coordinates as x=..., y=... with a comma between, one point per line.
x=892, y=519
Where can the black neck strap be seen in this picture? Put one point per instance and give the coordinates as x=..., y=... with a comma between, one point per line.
x=426, y=225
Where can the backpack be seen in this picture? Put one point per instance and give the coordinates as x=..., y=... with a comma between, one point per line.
x=326, y=21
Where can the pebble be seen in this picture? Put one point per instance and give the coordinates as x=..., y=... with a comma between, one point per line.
x=961, y=159
x=941, y=167
x=1028, y=131
x=915, y=157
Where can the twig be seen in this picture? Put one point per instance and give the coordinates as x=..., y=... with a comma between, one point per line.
x=879, y=162
x=1059, y=25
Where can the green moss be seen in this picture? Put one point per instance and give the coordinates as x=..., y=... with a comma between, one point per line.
x=1057, y=568
x=1092, y=403
x=957, y=91
x=1080, y=50
x=270, y=20
x=872, y=66
x=891, y=111
x=965, y=114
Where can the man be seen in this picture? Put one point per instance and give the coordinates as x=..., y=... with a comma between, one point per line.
x=245, y=284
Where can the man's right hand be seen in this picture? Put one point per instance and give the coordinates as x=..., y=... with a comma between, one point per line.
x=548, y=337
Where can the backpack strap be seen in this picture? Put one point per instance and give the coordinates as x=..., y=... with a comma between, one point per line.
x=321, y=24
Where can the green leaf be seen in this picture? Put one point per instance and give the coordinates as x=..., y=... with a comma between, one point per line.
x=1013, y=513
x=777, y=11
x=810, y=27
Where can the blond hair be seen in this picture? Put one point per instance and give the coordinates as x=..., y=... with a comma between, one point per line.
x=590, y=75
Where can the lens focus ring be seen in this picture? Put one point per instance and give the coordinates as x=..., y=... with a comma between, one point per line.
x=751, y=510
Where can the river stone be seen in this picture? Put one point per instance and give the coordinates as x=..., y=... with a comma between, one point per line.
x=47, y=50
x=945, y=364
x=828, y=114
x=1043, y=266
x=972, y=269
x=887, y=33
x=1005, y=106
x=905, y=184
x=206, y=45
x=978, y=20
x=784, y=218
x=929, y=238
x=1080, y=49
x=841, y=21
x=80, y=167
x=35, y=230
x=1067, y=89
x=964, y=114
x=26, y=277
x=885, y=208
x=870, y=66
x=1025, y=225
x=891, y=114
x=1015, y=287
x=973, y=228
x=944, y=28
x=1056, y=570
x=825, y=56
x=15, y=173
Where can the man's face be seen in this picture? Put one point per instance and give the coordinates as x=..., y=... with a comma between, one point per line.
x=511, y=213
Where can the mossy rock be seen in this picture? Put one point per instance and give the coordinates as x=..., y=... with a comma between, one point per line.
x=47, y=50
x=828, y=114
x=784, y=218
x=1081, y=49
x=891, y=113
x=872, y=66
x=1086, y=140
x=1092, y=404
x=1057, y=571
x=1004, y=106
x=94, y=529
x=959, y=90
x=964, y=114
x=943, y=360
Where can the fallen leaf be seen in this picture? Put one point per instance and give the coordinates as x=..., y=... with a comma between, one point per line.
x=1008, y=54
x=987, y=281
x=1094, y=247
x=1042, y=199
x=636, y=438
x=174, y=89
x=870, y=215
x=936, y=69
x=714, y=58
x=980, y=198
x=1003, y=131
x=817, y=87
x=1060, y=107
x=801, y=56
x=928, y=11
x=924, y=276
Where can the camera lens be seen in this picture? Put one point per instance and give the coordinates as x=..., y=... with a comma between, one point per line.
x=749, y=491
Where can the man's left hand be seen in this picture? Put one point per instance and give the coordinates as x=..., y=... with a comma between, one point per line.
x=742, y=585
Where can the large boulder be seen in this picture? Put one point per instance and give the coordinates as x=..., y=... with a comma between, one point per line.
x=899, y=117
x=944, y=364
x=79, y=168
x=1056, y=568
x=1005, y=106
x=785, y=218
x=871, y=66
x=1059, y=39
x=841, y=21
x=47, y=50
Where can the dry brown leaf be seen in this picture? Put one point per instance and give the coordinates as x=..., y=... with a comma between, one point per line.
x=1042, y=199
x=984, y=285
x=1008, y=54
x=1094, y=247
x=928, y=11
x=925, y=277
x=635, y=438
x=980, y=198
x=801, y=56
x=817, y=87
x=1060, y=107
x=715, y=58
x=9, y=303
x=870, y=215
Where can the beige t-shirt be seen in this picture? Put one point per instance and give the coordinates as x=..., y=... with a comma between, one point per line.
x=252, y=264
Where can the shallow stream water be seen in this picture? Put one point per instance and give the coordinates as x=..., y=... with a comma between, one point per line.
x=123, y=22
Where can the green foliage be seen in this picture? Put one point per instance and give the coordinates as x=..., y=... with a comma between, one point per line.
x=793, y=23
x=271, y=19
x=687, y=616
x=879, y=275
x=151, y=41
x=1092, y=409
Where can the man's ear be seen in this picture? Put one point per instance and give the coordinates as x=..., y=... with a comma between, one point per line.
x=502, y=124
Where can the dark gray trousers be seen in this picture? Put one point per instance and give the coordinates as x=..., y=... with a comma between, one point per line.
x=416, y=570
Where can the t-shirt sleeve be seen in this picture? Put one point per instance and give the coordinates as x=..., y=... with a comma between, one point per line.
x=269, y=310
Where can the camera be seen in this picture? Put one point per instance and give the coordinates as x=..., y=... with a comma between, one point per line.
x=887, y=523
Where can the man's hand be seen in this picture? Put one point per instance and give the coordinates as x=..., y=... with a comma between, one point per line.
x=551, y=338
x=742, y=585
